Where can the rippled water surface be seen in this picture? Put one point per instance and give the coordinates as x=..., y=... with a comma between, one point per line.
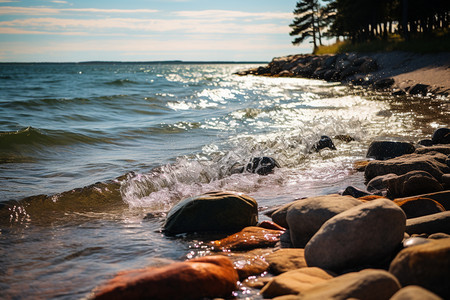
x=88, y=150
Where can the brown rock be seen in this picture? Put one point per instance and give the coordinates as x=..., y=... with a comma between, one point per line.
x=251, y=263
x=294, y=282
x=426, y=265
x=414, y=292
x=360, y=166
x=442, y=198
x=249, y=238
x=367, y=284
x=369, y=197
x=444, y=149
x=413, y=183
x=284, y=260
x=212, y=276
x=432, y=162
x=419, y=206
x=429, y=224
x=270, y=225
x=279, y=215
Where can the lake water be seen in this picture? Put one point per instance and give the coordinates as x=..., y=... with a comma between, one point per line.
x=88, y=150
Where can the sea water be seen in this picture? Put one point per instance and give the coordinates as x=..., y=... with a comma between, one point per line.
x=93, y=155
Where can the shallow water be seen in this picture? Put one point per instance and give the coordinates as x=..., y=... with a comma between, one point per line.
x=141, y=137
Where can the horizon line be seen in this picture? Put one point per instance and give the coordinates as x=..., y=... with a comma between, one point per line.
x=141, y=62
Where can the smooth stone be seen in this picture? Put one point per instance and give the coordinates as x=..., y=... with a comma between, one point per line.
x=429, y=224
x=444, y=149
x=248, y=238
x=214, y=211
x=369, y=284
x=294, y=282
x=419, y=206
x=438, y=236
x=270, y=225
x=279, y=215
x=414, y=292
x=414, y=241
x=443, y=198
x=251, y=263
x=441, y=136
x=432, y=162
x=354, y=192
x=307, y=216
x=383, y=150
x=284, y=260
x=212, y=276
x=412, y=183
x=363, y=235
x=426, y=265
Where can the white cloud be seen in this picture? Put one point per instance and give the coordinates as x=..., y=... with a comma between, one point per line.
x=231, y=14
x=36, y=11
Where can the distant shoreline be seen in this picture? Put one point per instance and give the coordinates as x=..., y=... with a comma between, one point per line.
x=94, y=62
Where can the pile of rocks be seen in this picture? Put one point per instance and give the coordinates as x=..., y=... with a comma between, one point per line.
x=361, y=246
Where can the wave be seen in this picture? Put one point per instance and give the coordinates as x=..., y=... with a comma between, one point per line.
x=121, y=82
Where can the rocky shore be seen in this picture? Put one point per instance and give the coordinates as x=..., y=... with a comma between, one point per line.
x=399, y=73
x=389, y=241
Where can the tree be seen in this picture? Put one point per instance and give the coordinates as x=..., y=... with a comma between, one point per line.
x=306, y=23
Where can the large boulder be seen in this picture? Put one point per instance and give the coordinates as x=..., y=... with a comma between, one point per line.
x=211, y=277
x=368, y=284
x=305, y=217
x=294, y=282
x=432, y=163
x=426, y=265
x=389, y=149
x=284, y=260
x=262, y=165
x=443, y=198
x=441, y=136
x=419, y=206
x=364, y=235
x=439, y=222
x=215, y=211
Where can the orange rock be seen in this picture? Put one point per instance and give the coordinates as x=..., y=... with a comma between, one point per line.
x=249, y=238
x=360, y=166
x=370, y=197
x=212, y=276
x=270, y=225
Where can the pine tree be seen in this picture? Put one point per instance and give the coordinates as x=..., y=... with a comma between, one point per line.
x=305, y=23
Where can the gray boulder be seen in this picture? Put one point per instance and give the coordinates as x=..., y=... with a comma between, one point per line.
x=214, y=211
x=363, y=235
x=305, y=217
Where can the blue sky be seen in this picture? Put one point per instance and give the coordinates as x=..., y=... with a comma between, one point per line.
x=136, y=30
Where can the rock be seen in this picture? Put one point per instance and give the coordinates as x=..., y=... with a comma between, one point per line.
x=284, y=260
x=445, y=179
x=279, y=215
x=363, y=235
x=444, y=149
x=414, y=292
x=214, y=211
x=360, y=166
x=429, y=224
x=439, y=235
x=419, y=89
x=285, y=240
x=382, y=150
x=431, y=162
x=419, y=206
x=248, y=238
x=262, y=165
x=368, y=66
x=412, y=183
x=426, y=265
x=251, y=263
x=380, y=183
x=441, y=136
x=414, y=241
x=324, y=142
x=344, y=138
x=425, y=142
x=270, y=225
x=294, y=282
x=384, y=83
x=354, y=192
x=305, y=217
x=368, y=284
x=212, y=276
x=443, y=198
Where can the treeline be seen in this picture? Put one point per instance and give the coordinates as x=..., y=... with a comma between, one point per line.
x=365, y=20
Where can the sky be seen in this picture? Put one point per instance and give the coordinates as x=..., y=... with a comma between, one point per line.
x=146, y=30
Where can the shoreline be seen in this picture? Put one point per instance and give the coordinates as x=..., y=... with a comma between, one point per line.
x=400, y=73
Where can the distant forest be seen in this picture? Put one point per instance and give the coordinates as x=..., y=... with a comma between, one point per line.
x=367, y=20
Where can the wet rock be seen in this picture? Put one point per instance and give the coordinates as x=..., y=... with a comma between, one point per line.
x=344, y=138
x=262, y=165
x=305, y=217
x=429, y=224
x=354, y=192
x=384, y=83
x=433, y=163
x=382, y=150
x=363, y=235
x=249, y=238
x=426, y=142
x=417, y=89
x=444, y=149
x=368, y=284
x=426, y=265
x=412, y=183
x=284, y=260
x=380, y=183
x=443, y=198
x=415, y=292
x=294, y=282
x=270, y=225
x=324, y=142
x=360, y=166
x=215, y=211
x=419, y=206
x=414, y=241
x=212, y=276
x=441, y=136
x=251, y=263
x=279, y=215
